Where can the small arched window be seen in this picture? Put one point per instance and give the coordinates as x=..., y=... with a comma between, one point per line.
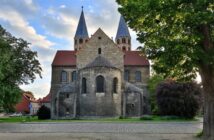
x=138, y=76
x=126, y=75
x=75, y=42
x=84, y=85
x=80, y=40
x=67, y=95
x=63, y=76
x=118, y=41
x=99, y=51
x=74, y=76
x=123, y=40
x=129, y=42
x=115, y=84
x=100, y=83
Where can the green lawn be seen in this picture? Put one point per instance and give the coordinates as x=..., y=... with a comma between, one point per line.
x=143, y=119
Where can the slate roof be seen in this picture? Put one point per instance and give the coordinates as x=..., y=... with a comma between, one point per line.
x=68, y=58
x=81, y=31
x=100, y=61
x=122, y=30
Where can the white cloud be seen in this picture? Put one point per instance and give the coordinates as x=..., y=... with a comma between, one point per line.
x=62, y=6
x=21, y=28
x=39, y=88
x=60, y=22
x=58, y=25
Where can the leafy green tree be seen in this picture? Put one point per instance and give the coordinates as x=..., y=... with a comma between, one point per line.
x=153, y=82
x=18, y=65
x=178, y=37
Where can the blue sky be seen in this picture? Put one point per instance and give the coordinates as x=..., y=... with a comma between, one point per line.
x=50, y=25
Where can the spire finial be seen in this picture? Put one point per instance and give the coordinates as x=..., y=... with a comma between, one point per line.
x=81, y=31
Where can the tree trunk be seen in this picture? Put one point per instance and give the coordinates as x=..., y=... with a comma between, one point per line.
x=207, y=76
x=208, y=128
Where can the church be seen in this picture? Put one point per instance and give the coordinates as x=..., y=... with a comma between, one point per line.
x=101, y=77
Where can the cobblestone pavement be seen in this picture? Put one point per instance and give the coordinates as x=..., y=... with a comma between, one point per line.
x=93, y=127
x=100, y=131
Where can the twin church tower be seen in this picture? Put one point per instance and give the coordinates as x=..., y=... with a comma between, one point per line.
x=123, y=38
x=100, y=77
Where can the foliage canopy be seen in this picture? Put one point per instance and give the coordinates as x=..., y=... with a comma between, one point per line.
x=18, y=65
x=173, y=32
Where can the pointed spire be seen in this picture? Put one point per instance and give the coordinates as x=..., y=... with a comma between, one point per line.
x=81, y=31
x=122, y=30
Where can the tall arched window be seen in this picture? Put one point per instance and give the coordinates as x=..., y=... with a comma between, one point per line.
x=100, y=83
x=126, y=75
x=55, y=106
x=138, y=76
x=99, y=51
x=115, y=83
x=63, y=76
x=74, y=76
x=84, y=85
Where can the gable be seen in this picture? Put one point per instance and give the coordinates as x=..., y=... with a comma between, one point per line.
x=100, y=42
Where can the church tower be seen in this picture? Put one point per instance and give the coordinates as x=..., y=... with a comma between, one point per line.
x=81, y=35
x=123, y=38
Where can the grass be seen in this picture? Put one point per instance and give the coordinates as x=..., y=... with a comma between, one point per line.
x=128, y=120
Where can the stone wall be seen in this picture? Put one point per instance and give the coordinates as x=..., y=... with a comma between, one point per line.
x=109, y=50
x=56, y=74
x=56, y=85
x=100, y=104
x=145, y=72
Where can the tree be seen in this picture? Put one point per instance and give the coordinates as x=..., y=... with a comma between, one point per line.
x=153, y=82
x=178, y=37
x=18, y=65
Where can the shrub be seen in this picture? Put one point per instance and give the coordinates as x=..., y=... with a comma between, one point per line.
x=179, y=99
x=44, y=113
x=146, y=117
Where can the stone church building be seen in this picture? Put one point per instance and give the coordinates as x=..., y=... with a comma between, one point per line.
x=100, y=77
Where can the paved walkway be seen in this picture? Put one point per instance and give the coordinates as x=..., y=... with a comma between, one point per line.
x=94, y=136
x=100, y=131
